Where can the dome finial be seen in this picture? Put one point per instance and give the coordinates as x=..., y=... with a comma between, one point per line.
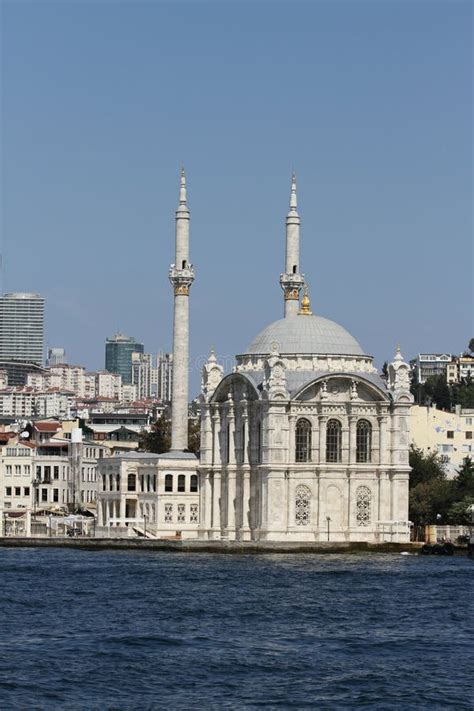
x=305, y=309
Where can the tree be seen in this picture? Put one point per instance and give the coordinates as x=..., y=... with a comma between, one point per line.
x=158, y=440
x=459, y=513
x=425, y=467
x=471, y=345
x=465, y=479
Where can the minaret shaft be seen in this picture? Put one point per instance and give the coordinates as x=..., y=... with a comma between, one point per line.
x=292, y=281
x=181, y=277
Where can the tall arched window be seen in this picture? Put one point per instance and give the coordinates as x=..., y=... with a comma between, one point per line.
x=363, y=441
x=194, y=483
x=181, y=482
x=363, y=506
x=131, y=482
x=168, y=482
x=303, y=440
x=302, y=505
x=333, y=441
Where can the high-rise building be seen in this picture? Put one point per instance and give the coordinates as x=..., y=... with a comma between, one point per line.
x=164, y=367
x=56, y=356
x=118, y=355
x=22, y=328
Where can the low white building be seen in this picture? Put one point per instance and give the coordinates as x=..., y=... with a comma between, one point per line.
x=140, y=489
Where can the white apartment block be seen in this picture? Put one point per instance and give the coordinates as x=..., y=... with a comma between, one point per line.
x=26, y=402
x=460, y=368
x=109, y=385
x=429, y=364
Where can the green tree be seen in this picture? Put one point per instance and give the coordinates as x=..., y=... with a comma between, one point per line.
x=471, y=345
x=425, y=467
x=158, y=440
x=464, y=481
x=459, y=513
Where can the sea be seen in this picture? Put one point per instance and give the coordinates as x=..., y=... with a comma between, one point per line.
x=112, y=630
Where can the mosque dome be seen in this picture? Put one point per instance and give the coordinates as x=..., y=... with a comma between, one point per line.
x=305, y=334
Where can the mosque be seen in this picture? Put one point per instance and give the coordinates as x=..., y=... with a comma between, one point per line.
x=303, y=441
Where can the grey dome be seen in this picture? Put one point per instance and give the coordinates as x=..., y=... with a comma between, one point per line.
x=305, y=334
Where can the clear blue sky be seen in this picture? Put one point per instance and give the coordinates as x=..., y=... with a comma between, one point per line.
x=369, y=102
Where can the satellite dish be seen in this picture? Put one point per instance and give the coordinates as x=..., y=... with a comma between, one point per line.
x=25, y=435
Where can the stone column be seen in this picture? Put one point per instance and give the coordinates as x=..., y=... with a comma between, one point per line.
x=291, y=438
x=322, y=438
x=352, y=439
x=123, y=509
x=345, y=452
x=216, y=427
x=231, y=490
x=207, y=511
x=382, y=440
x=216, y=505
x=245, y=529
x=231, y=440
x=206, y=435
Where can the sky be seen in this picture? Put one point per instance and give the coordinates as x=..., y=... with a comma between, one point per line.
x=370, y=103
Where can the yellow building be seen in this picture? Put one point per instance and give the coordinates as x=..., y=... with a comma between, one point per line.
x=448, y=433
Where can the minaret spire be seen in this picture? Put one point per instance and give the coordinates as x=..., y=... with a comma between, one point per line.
x=292, y=281
x=181, y=277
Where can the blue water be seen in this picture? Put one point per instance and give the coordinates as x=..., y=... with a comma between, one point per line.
x=132, y=630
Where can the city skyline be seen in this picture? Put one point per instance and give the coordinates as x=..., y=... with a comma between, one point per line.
x=374, y=152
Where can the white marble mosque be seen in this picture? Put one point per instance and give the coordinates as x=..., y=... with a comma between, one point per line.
x=303, y=442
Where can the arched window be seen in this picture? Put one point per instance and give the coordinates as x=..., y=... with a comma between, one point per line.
x=302, y=505
x=104, y=482
x=363, y=505
x=168, y=482
x=131, y=482
x=303, y=440
x=363, y=441
x=333, y=441
x=194, y=483
x=181, y=482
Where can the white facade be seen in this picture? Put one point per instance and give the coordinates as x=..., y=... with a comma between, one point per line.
x=431, y=364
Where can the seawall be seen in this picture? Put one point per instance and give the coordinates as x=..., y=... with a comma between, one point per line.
x=197, y=546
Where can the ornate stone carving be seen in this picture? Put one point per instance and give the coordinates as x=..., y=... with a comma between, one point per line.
x=181, y=279
x=212, y=374
x=399, y=379
x=302, y=505
x=363, y=506
x=274, y=382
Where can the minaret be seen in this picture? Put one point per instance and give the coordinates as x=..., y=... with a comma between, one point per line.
x=181, y=277
x=292, y=281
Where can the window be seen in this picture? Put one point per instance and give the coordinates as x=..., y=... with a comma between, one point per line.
x=450, y=434
x=181, y=483
x=468, y=435
x=363, y=505
x=303, y=441
x=131, y=482
x=17, y=490
x=169, y=482
x=44, y=494
x=363, y=441
x=193, y=513
x=8, y=470
x=55, y=494
x=18, y=468
x=468, y=420
x=47, y=475
x=168, y=513
x=26, y=491
x=38, y=473
x=8, y=491
x=27, y=470
x=302, y=505
x=466, y=448
x=55, y=472
x=333, y=441
x=194, y=483
x=181, y=512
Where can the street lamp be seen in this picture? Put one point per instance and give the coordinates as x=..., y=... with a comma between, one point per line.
x=144, y=525
x=328, y=519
